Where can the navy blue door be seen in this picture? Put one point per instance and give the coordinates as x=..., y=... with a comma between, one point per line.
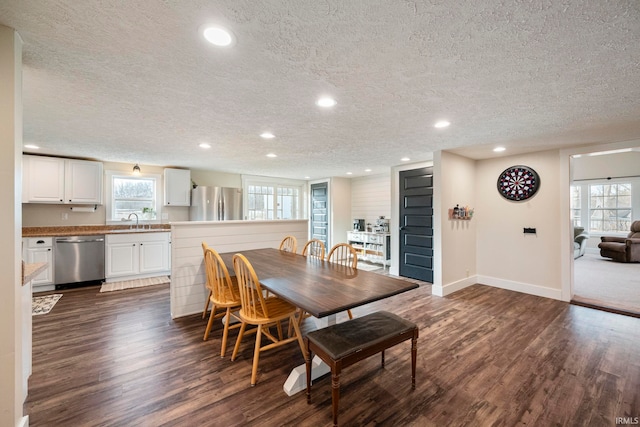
x=416, y=224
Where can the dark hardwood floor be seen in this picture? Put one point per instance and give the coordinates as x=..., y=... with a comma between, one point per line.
x=486, y=357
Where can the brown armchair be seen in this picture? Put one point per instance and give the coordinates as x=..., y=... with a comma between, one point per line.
x=623, y=249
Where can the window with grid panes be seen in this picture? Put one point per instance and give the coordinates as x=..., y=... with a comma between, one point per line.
x=610, y=207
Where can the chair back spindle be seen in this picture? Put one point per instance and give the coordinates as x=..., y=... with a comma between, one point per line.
x=289, y=244
x=251, y=296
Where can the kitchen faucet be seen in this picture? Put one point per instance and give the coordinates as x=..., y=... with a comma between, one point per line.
x=129, y=217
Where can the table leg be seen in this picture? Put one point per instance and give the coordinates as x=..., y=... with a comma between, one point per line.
x=297, y=380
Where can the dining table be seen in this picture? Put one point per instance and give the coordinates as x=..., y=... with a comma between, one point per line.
x=318, y=287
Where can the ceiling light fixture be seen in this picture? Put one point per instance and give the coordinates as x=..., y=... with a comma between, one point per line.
x=267, y=135
x=136, y=169
x=204, y=145
x=442, y=124
x=349, y=173
x=32, y=146
x=272, y=155
x=405, y=159
x=326, y=102
x=367, y=170
x=499, y=149
x=218, y=36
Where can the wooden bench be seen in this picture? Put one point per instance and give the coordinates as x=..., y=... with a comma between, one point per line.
x=346, y=343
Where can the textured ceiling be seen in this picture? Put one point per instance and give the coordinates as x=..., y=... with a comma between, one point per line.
x=134, y=82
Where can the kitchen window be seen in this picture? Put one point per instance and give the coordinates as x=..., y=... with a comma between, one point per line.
x=268, y=198
x=127, y=195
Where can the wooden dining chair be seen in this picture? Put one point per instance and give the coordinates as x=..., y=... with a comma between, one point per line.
x=262, y=312
x=344, y=254
x=289, y=244
x=314, y=248
x=223, y=294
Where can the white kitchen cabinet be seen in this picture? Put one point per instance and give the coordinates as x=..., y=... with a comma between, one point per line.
x=43, y=179
x=58, y=180
x=177, y=187
x=35, y=250
x=83, y=182
x=136, y=255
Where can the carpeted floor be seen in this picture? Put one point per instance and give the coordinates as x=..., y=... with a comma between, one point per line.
x=601, y=281
x=137, y=283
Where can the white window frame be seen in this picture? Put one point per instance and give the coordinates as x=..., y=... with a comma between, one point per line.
x=247, y=180
x=585, y=208
x=109, y=175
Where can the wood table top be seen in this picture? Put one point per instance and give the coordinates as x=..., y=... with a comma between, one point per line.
x=318, y=287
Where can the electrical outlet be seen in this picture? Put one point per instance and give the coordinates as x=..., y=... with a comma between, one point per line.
x=64, y=216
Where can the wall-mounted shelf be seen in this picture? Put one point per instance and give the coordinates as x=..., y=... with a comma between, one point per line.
x=464, y=213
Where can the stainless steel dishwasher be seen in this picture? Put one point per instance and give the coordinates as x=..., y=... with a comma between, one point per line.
x=78, y=259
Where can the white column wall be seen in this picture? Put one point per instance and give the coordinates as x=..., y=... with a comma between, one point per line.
x=188, y=291
x=12, y=388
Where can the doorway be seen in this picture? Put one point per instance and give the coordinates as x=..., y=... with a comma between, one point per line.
x=319, y=223
x=605, y=194
x=416, y=224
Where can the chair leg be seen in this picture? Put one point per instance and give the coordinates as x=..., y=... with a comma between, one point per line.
x=256, y=356
x=238, y=340
x=209, y=323
x=206, y=305
x=225, y=332
x=292, y=319
x=350, y=315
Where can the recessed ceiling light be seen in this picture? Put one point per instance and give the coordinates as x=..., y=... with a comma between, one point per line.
x=32, y=146
x=272, y=155
x=367, y=170
x=204, y=145
x=349, y=173
x=442, y=124
x=307, y=177
x=405, y=159
x=267, y=135
x=499, y=149
x=218, y=36
x=326, y=102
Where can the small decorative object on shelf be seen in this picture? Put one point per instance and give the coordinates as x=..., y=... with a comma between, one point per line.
x=464, y=212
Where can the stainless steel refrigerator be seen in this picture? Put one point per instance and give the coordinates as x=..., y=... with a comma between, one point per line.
x=215, y=204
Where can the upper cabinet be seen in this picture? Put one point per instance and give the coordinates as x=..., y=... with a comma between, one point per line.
x=57, y=180
x=177, y=187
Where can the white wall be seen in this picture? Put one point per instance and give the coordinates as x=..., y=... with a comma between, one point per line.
x=458, y=245
x=371, y=197
x=340, y=207
x=12, y=389
x=609, y=165
x=506, y=257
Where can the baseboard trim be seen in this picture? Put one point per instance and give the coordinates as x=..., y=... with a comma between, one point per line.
x=449, y=288
x=526, y=288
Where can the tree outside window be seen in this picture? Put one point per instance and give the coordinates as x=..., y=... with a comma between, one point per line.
x=610, y=207
x=133, y=195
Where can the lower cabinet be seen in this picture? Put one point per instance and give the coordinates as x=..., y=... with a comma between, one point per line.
x=137, y=255
x=35, y=250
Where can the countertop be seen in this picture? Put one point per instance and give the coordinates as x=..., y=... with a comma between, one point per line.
x=89, y=230
x=29, y=271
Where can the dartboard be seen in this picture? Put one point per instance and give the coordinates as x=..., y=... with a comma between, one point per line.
x=518, y=183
